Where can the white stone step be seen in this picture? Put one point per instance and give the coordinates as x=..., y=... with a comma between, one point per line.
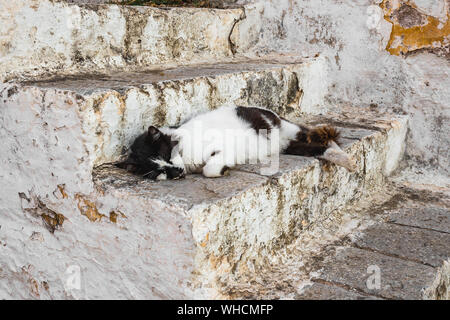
x=55, y=131
x=228, y=226
x=133, y=238
x=44, y=37
x=103, y=113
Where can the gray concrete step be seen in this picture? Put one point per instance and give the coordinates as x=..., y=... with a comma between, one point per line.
x=326, y=291
x=400, y=279
x=429, y=218
x=388, y=260
x=415, y=244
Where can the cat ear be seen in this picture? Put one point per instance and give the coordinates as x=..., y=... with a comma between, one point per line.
x=153, y=132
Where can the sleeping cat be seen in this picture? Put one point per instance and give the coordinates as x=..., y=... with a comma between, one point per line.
x=216, y=141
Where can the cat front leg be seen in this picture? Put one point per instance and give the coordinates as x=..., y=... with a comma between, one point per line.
x=216, y=166
x=215, y=170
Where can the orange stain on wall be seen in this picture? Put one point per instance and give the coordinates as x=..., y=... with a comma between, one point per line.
x=433, y=34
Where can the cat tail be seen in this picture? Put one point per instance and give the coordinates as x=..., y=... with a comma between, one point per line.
x=312, y=142
x=323, y=135
x=321, y=142
x=329, y=136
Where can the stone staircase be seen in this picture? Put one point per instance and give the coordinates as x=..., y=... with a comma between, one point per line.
x=392, y=244
x=92, y=79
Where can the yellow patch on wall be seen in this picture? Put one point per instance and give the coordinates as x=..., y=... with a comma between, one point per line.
x=88, y=209
x=428, y=35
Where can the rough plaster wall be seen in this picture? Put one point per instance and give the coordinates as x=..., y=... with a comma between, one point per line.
x=360, y=39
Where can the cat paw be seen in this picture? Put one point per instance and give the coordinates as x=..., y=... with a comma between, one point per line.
x=225, y=171
x=155, y=175
x=215, y=171
x=166, y=173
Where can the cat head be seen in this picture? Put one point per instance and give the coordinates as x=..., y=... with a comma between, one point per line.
x=151, y=154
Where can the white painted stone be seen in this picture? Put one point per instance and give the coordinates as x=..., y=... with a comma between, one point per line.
x=179, y=244
x=170, y=240
x=315, y=84
x=46, y=37
x=169, y=229
x=360, y=70
x=114, y=119
x=238, y=222
x=52, y=139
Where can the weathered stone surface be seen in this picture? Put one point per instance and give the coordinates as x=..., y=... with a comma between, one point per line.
x=400, y=279
x=53, y=133
x=357, y=40
x=44, y=126
x=440, y=288
x=60, y=134
x=242, y=219
x=39, y=37
x=185, y=193
x=416, y=25
x=320, y=291
x=94, y=1
x=422, y=246
x=196, y=228
x=86, y=84
x=211, y=3
x=111, y=110
x=434, y=218
x=70, y=125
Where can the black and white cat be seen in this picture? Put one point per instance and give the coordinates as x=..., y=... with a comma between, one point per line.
x=216, y=141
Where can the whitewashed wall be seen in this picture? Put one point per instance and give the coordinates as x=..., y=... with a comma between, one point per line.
x=354, y=35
